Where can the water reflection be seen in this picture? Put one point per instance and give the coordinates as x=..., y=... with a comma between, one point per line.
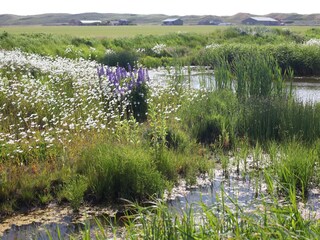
x=240, y=192
x=306, y=89
x=245, y=191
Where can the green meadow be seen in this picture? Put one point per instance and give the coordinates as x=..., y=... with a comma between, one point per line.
x=109, y=31
x=125, y=31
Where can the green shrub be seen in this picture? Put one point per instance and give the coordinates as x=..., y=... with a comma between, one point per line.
x=121, y=58
x=151, y=62
x=138, y=102
x=177, y=139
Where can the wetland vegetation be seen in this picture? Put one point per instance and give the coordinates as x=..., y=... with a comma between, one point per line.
x=82, y=122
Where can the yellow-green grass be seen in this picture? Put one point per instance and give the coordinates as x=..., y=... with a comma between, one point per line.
x=109, y=31
x=298, y=29
x=123, y=31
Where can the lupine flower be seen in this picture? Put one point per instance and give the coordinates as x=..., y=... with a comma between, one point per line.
x=122, y=80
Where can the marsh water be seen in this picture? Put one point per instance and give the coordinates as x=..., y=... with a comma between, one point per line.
x=248, y=192
x=306, y=89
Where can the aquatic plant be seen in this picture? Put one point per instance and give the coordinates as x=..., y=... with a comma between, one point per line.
x=219, y=221
x=295, y=167
x=210, y=119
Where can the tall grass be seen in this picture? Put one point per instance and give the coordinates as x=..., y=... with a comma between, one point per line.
x=211, y=119
x=279, y=119
x=295, y=167
x=257, y=75
x=116, y=172
x=200, y=221
x=267, y=110
x=300, y=57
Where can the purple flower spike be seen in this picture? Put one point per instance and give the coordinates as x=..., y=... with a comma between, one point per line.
x=129, y=68
x=140, y=76
x=100, y=71
x=108, y=71
x=123, y=81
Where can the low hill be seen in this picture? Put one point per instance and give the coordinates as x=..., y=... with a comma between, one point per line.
x=151, y=19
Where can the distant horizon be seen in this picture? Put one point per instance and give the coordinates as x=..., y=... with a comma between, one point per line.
x=47, y=13
x=164, y=7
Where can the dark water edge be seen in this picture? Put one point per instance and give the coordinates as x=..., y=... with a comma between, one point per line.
x=55, y=220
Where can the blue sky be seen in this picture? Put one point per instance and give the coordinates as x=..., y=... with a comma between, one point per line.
x=169, y=7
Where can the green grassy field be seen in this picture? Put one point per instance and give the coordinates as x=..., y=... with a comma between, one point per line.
x=123, y=31
x=109, y=31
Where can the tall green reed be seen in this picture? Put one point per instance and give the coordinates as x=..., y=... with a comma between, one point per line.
x=211, y=119
x=222, y=73
x=279, y=119
x=257, y=75
x=201, y=221
x=295, y=167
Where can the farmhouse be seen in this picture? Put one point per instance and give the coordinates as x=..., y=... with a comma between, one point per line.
x=120, y=22
x=172, y=21
x=85, y=22
x=267, y=21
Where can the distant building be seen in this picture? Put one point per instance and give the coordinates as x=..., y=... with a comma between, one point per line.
x=267, y=21
x=225, y=24
x=90, y=22
x=85, y=22
x=123, y=22
x=120, y=22
x=172, y=21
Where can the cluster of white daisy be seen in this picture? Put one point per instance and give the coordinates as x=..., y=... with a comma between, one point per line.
x=159, y=48
x=44, y=101
x=313, y=42
x=212, y=46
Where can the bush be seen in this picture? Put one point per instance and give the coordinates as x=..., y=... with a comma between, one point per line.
x=121, y=58
x=74, y=190
x=151, y=62
x=177, y=140
x=138, y=102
